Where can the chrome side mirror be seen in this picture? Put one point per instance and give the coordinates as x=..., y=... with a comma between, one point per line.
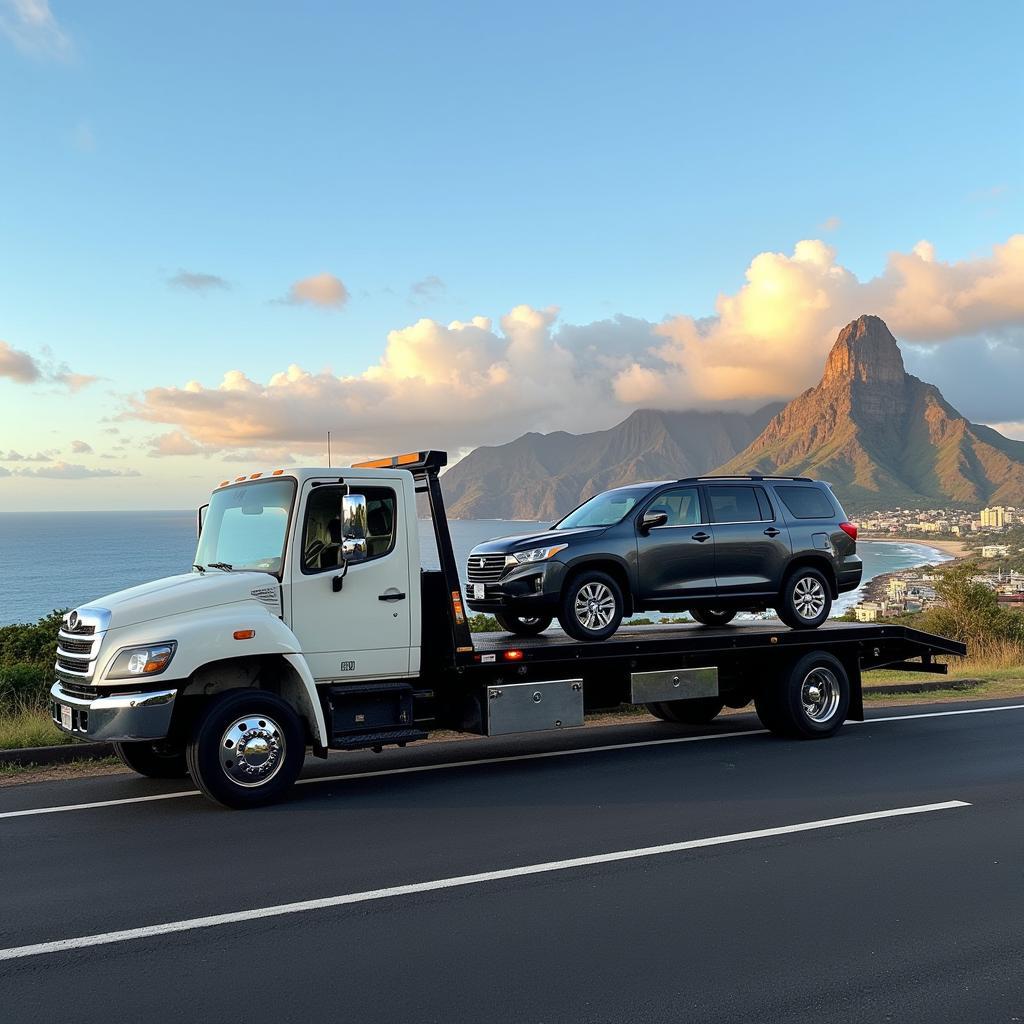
x=653, y=517
x=353, y=527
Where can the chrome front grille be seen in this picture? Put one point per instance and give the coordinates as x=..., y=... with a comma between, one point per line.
x=69, y=645
x=81, y=629
x=78, y=666
x=485, y=568
x=80, y=690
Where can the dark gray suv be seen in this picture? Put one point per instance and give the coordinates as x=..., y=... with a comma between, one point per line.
x=710, y=546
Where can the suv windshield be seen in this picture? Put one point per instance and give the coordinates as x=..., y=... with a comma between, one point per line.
x=245, y=527
x=604, y=509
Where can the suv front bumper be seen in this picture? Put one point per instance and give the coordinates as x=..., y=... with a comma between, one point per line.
x=527, y=589
x=117, y=717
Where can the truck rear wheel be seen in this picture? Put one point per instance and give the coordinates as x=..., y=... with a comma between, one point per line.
x=698, y=711
x=808, y=700
x=156, y=759
x=246, y=749
x=523, y=625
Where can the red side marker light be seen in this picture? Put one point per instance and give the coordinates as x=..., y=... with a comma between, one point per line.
x=849, y=529
x=513, y=655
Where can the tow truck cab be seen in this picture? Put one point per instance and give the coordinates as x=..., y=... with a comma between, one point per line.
x=308, y=621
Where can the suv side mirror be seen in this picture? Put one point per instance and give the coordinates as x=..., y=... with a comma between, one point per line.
x=353, y=527
x=653, y=517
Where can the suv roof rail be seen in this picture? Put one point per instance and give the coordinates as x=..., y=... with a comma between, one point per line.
x=747, y=476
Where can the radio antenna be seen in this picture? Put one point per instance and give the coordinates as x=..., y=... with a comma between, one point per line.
x=328, y=449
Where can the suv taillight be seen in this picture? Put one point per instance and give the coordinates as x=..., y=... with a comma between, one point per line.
x=849, y=529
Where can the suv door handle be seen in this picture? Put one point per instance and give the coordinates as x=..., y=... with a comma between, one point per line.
x=391, y=595
x=701, y=537
x=772, y=532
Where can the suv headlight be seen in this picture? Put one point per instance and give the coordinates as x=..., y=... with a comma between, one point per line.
x=538, y=554
x=133, y=662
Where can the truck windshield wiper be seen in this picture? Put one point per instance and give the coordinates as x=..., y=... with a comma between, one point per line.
x=196, y=565
x=220, y=565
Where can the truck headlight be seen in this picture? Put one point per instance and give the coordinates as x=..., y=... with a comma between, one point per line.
x=141, y=661
x=538, y=554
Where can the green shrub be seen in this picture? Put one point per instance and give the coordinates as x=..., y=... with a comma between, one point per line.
x=481, y=623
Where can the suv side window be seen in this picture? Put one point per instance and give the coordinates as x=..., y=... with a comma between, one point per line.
x=734, y=503
x=805, y=502
x=682, y=505
x=321, y=533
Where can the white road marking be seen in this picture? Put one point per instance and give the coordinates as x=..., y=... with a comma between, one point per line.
x=476, y=762
x=261, y=913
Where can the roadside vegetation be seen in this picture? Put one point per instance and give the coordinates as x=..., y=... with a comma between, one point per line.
x=26, y=674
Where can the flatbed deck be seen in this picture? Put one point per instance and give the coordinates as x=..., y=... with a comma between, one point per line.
x=554, y=645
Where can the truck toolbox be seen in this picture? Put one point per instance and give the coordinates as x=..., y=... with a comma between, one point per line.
x=531, y=707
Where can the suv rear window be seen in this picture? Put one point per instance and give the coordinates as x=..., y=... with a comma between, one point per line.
x=805, y=502
x=731, y=504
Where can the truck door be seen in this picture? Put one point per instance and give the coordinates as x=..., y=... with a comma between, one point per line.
x=676, y=560
x=363, y=630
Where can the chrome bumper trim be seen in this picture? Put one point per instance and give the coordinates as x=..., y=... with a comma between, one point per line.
x=121, y=716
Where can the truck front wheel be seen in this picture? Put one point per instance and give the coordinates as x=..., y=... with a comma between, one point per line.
x=246, y=749
x=156, y=759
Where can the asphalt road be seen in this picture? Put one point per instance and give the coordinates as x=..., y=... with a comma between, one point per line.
x=914, y=916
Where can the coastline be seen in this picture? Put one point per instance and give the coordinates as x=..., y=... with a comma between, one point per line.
x=948, y=546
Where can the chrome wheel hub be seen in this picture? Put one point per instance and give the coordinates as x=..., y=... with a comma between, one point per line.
x=252, y=750
x=809, y=597
x=819, y=694
x=594, y=606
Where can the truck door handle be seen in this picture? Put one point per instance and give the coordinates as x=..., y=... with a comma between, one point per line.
x=772, y=532
x=701, y=537
x=391, y=595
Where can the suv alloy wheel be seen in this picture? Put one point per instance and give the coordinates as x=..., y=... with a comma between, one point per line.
x=806, y=599
x=591, y=606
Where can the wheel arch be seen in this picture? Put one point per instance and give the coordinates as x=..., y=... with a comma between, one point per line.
x=819, y=562
x=286, y=675
x=614, y=567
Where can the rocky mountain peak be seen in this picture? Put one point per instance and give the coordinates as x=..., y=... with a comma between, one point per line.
x=865, y=353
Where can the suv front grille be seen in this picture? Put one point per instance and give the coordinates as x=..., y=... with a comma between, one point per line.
x=485, y=568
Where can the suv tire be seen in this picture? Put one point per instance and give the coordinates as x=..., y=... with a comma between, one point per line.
x=712, y=616
x=523, y=625
x=806, y=599
x=591, y=606
x=271, y=732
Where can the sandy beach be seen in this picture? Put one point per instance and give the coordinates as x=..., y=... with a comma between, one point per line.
x=956, y=548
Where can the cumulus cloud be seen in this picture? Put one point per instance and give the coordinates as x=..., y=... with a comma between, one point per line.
x=193, y=281
x=173, y=443
x=33, y=29
x=17, y=365
x=81, y=448
x=323, y=290
x=15, y=456
x=831, y=224
x=72, y=471
x=23, y=368
x=476, y=382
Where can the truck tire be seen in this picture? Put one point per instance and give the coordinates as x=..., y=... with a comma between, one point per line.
x=808, y=700
x=591, y=606
x=246, y=748
x=156, y=759
x=523, y=625
x=805, y=600
x=698, y=711
x=712, y=616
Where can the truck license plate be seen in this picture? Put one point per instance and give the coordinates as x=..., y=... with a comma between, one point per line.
x=479, y=592
x=65, y=717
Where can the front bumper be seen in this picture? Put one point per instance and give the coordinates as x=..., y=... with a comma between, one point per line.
x=117, y=717
x=529, y=588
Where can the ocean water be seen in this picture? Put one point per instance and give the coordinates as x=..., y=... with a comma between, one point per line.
x=54, y=560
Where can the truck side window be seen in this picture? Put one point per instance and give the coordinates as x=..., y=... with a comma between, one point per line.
x=321, y=534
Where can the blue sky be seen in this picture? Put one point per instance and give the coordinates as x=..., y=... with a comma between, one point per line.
x=454, y=161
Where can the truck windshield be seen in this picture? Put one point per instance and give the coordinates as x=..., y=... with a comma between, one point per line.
x=603, y=509
x=245, y=527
